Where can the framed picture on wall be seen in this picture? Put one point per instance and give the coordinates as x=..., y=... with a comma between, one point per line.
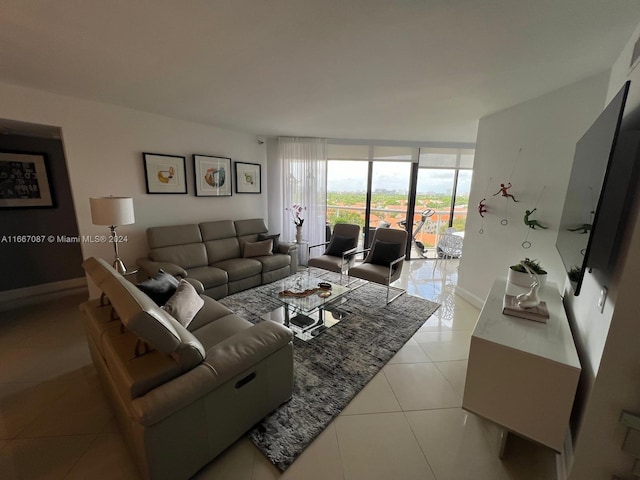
x=24, y=181
x=212, y=176
x=165, y=173
x=248, y=178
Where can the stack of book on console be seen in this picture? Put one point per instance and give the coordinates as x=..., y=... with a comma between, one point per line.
x=537, y=314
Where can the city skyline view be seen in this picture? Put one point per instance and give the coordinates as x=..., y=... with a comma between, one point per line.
x=350, y=176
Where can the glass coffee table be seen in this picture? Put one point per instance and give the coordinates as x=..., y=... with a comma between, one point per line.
x=305, y=302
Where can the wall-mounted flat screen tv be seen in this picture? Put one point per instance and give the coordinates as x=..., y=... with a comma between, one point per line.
x=597, y=194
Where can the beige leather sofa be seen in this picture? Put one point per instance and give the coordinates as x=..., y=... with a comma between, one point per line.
x=196, y=390
x=212, y=252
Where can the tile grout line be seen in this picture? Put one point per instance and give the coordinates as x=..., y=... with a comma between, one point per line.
x=73, y=465
x=424, y=454
x=335, y=432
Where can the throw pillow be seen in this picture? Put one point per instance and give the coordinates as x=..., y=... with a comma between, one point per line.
x=257, y=249
x=339, y=244
x=384, y=253
x=274, y=238
x=159, y=288
x=184, y=304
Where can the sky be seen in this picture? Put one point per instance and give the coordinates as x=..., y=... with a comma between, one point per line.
x=349, y=176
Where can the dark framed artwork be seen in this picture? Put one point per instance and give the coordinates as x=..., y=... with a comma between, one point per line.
x=165, y=173
x=248, y=178
x=24, y=181
x=212, y=176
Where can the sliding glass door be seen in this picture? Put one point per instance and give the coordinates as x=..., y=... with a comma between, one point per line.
x=424, y=191
x=442, y=193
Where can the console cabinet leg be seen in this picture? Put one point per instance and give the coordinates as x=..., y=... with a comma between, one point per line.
x=504, y=435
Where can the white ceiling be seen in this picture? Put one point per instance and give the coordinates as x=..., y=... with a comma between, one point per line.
x=374, y=69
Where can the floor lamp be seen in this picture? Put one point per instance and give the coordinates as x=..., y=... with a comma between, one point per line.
x=113, y=211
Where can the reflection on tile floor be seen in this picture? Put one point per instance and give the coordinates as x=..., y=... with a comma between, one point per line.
x=55, y=422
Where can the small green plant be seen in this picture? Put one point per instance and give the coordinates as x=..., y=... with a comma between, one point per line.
x=534, y=265
x=574, y=274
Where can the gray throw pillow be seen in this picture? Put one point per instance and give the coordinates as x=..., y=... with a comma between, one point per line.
x=275, y=238
x=384, y=253
x=159, y=288
x=184, y=304
x=340, y=244
x=257, y=249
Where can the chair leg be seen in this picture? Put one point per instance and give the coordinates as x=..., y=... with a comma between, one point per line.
x=402, y=292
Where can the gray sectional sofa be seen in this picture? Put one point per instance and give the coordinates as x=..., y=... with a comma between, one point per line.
x=212, y=253
x=182, y=395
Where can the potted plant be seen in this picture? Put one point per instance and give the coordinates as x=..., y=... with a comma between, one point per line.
x=518, y=274
x=574, y=274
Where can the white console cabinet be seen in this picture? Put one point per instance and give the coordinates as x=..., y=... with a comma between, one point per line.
x=523, y=374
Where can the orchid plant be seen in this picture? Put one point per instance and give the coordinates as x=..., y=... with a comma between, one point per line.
x=296, y=214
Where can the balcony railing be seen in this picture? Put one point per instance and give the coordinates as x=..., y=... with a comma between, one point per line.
x=429, y=232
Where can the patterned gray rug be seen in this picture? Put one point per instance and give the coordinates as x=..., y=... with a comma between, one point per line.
x=333, y=367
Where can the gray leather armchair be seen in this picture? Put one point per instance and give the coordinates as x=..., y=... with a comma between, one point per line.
x=384, y=260
x=340, y=249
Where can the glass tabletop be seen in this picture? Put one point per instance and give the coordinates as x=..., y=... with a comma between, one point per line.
x=306, y=293
x=307, y=303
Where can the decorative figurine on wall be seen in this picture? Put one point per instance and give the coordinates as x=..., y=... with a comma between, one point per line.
x=504, y=190
x=482, y=208
x=585, y=227
x=532, y=223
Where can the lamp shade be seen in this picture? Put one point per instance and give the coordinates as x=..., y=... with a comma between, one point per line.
x=112, y=211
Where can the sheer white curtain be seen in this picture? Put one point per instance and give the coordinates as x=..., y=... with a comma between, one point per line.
x=304, y=167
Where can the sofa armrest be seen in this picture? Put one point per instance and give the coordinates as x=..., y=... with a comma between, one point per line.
x=229, y=358
x=290, y=249
x=197, y=284
x=241, y=351
x=287, y=247
x=152, y=268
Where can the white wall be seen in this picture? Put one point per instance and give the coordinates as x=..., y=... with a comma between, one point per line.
x=546, y=129
x=611, y=341
x=104, y=144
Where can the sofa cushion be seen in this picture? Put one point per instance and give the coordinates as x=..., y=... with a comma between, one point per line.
x=186, y=256
x=275, y=238
x=184, y=304
x=223, y=249
x=169, y=236
x=239, y=268
x=251, y=226
x=257, y=249
x=159, y=288
x=215, y=332
x=217, y=230
x=209, y=276
x=274, y=262
x=210, y=311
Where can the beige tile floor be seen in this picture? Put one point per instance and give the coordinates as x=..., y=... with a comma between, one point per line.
x=407, y=423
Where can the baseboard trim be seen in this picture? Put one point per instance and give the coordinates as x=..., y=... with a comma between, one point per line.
x=470, y=297
x=20, y=297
